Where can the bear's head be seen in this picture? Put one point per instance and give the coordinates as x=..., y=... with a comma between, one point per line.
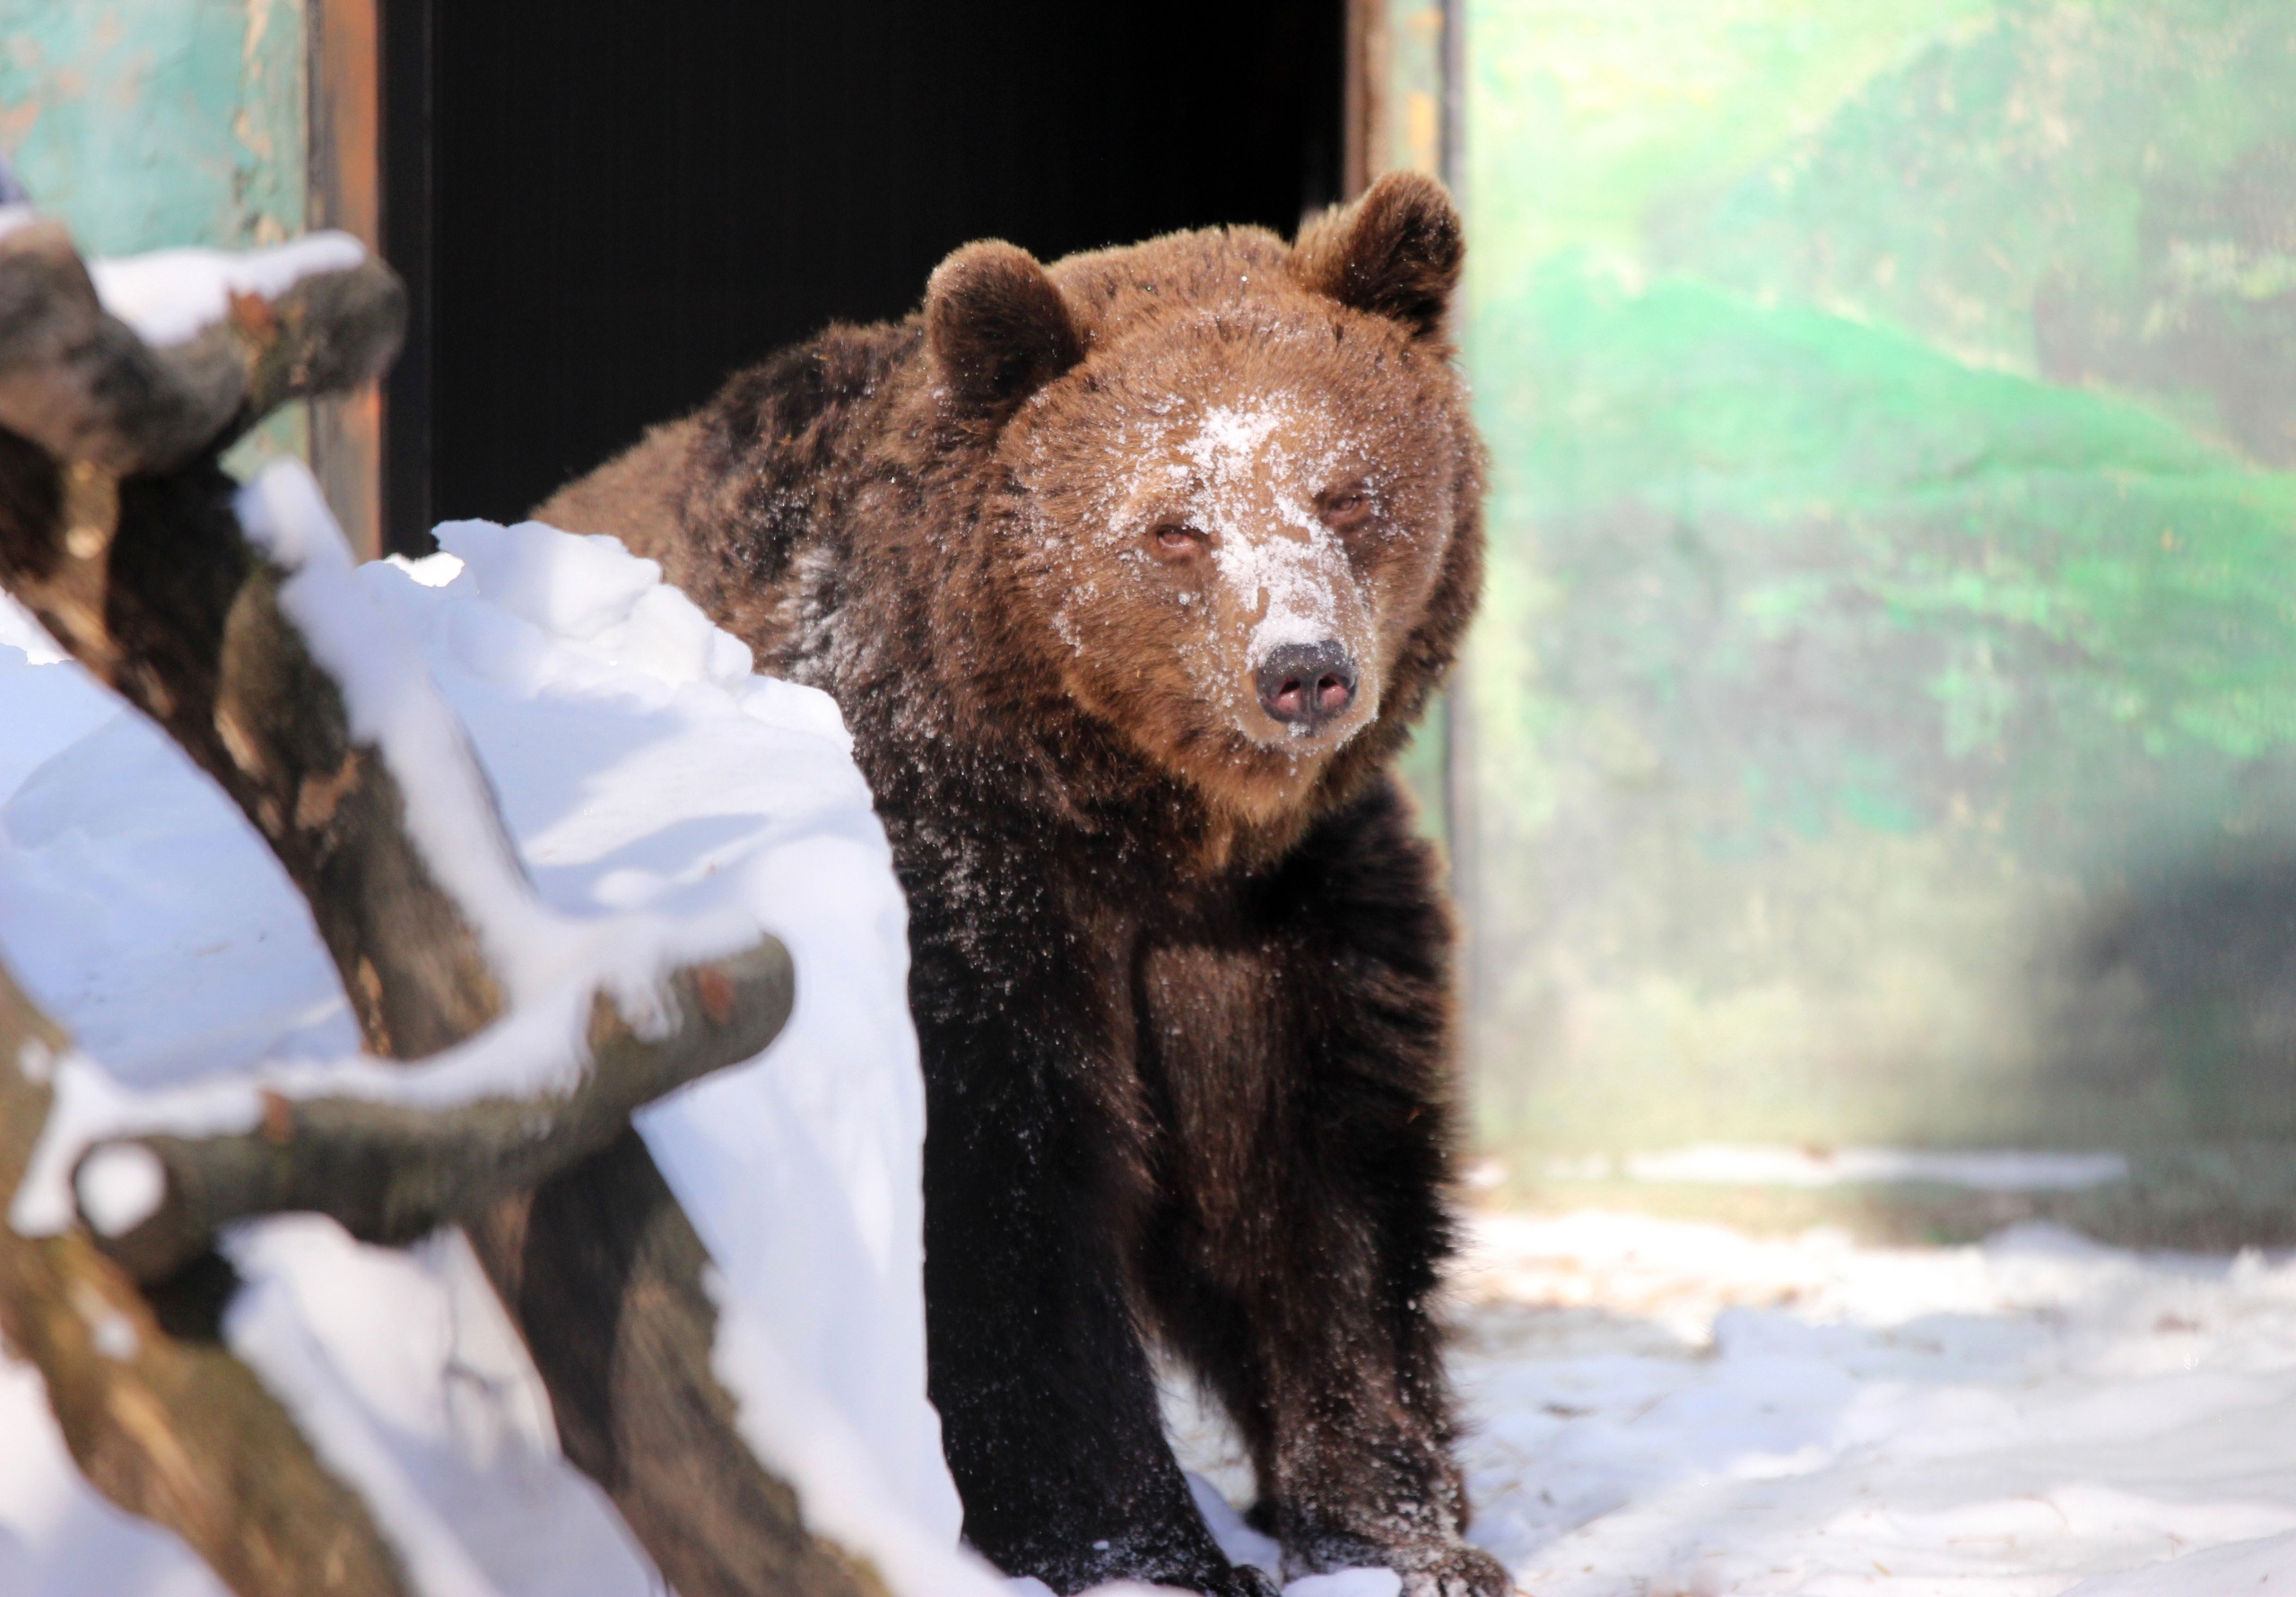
x=1232, y=482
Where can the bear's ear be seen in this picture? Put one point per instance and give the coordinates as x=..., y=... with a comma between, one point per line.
x=996, y=327
x=1395, y=252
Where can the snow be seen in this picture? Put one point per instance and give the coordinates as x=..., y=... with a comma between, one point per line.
x=1655, y=1408
x=1347, y=1583
x=552, y=962
x=390, y=703
x=169, y=295
x=2267, y=1565
x=266, y=1327
x=48, y=710
x=2000, y=1170
x=1667, y=1407
x=120, y=1188
x=649, y=782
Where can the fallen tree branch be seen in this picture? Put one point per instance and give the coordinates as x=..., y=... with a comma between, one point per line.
x=159, y=1415
x=78, y=381
x=151, y=583
x=392, y=1172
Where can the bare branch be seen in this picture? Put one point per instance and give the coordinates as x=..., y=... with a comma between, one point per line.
x=392, y=1172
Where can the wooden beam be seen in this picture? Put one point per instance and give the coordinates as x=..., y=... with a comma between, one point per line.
x=344, y=179
x=1406, y=108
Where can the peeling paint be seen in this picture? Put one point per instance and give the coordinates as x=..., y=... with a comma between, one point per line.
x=152, y=123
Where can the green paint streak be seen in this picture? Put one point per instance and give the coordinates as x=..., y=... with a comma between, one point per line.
x=150, y=123
x=2092, y=192
x=1724, y=486
x=1586, y=120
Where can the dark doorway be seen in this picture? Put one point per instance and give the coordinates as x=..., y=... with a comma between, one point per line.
x=604, y=210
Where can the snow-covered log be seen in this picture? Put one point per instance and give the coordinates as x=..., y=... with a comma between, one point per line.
x=392, y=1166
x=226, y=616
x=160, y=1416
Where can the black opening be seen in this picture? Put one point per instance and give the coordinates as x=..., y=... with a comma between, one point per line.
x=603, y=210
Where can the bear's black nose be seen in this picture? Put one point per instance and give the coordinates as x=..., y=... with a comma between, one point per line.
x=1306, y=684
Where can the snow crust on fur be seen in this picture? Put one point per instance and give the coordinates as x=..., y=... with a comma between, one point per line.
x=169, y=296
x=1231, y=466
x=1289, y=573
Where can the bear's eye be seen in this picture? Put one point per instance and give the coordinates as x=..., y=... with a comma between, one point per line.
x=1175, y=540
x=1345, y=508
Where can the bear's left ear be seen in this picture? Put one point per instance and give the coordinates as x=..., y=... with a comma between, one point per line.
x=997, y=328
x=1395, y=252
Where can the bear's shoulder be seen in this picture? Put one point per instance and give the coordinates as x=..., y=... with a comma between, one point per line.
x=767, y=460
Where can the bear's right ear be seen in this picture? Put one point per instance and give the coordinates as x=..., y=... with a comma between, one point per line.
x=997, y=329
x=1395, y=252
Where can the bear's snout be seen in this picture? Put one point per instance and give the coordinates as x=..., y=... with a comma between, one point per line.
x=1306, y=684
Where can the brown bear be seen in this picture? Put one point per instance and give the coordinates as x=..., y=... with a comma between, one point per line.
x=1131, y=576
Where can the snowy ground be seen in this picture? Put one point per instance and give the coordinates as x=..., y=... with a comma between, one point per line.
x=1670, y=1408
x=1660, y=1408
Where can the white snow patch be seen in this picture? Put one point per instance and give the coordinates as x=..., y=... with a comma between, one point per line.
x=2266, y=1566
x=21, y=630
x=1347, y=1583
x=264, y=1327
x=120, y=1188
x=810, y=1444
x=115, y=1338
x=36, y=1061
x=388, y=695
x=48, y=710
x=169, y=295
x=1660, y=1406
x=1236, y=1539
x=2000, y=1170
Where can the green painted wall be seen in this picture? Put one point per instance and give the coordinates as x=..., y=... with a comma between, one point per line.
x=150, y=123
x=1886, y=703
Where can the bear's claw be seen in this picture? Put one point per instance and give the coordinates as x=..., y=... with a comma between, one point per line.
x=1460, y=1571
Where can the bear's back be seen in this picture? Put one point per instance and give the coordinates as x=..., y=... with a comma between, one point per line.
x=729, y=499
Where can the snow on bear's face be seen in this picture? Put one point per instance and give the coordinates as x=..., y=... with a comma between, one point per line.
x=1228, y=524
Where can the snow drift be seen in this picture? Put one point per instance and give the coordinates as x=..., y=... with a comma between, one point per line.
x=643, y=771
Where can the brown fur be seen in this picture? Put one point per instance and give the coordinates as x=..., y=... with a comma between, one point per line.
x=1182, y=973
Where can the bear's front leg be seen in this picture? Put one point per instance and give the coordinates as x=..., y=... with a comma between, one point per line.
x=1049, y=1412
x=1302, y=1040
